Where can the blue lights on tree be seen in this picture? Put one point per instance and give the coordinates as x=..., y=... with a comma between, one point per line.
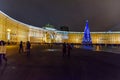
x=87, y=37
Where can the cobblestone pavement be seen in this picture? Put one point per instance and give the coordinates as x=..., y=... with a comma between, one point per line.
x=46, y=63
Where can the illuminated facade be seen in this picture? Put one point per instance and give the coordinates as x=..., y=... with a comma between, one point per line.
x=15, y=31
x=97, y=37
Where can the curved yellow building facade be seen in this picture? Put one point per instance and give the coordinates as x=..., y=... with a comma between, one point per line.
x=15, y=31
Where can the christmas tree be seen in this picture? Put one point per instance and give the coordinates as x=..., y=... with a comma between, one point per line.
x=86, y=37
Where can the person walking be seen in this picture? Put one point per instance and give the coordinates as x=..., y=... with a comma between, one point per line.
x=2, y=51
x=28, y=45
x=69, y=47
x=21, y=47
x=64, y=48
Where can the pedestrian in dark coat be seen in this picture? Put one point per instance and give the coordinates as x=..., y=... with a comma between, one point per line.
x=64, y=48
x=28, y=45
x=69, y=47
x=21, y=47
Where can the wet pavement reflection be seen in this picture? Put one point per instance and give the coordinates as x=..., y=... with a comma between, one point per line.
x=113, y=49
x=46, y=63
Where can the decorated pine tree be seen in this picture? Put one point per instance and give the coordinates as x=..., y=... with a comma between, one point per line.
x=87, y=37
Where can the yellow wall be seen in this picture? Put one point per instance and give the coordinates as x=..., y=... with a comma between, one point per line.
x=18, y=31
x=23, y=32
x=97, y=37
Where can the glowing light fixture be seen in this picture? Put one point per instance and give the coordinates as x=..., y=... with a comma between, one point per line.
x=8, y=30
x=8, y=34
x=50, y=28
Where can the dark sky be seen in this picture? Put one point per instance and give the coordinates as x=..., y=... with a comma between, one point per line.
x=102, y=14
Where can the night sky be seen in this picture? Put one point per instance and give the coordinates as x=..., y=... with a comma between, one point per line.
x=103, y=15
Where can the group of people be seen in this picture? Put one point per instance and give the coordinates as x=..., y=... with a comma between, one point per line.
x=21, y=49
x=25, y=48
x=66, y=49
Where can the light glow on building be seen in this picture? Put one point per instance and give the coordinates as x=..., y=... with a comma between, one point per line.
x=15, y=31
